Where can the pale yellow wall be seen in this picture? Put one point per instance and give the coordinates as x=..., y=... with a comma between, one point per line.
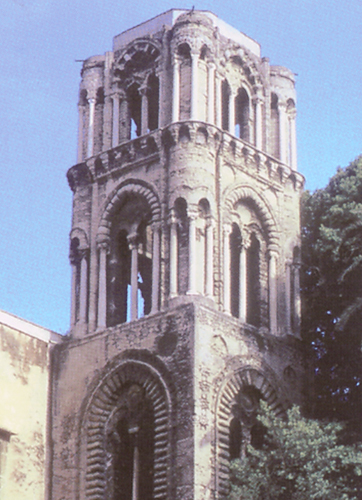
x=24, y=380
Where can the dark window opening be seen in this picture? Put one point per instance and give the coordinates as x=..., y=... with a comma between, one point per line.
x=235, y=439
x=253, y=282
x=153, y=102
x=183, y=244
x=75, y=259
x=133, y=451
x=225, y=96
x=235, y=242
x=242, y=115
x=274, y=126
x=119, y=265
x=135, y=103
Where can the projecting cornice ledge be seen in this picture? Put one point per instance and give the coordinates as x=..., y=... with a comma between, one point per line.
x=79, y=176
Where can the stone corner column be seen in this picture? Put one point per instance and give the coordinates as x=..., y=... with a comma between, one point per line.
x=176, y=90
x=227, y=282
x=92, y=106
x=173, y=260
x=209, y=281
x=258, y=126
x=83, y=291
x=282, y=107
x=192, y=215
x=194, y=84
x=103, y=249
x=273, y=313
x=156, y=247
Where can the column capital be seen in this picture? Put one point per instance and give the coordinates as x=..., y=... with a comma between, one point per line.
x=132, y=240
x=172, y=219
x=257, y=99
x=83, y=253
x=273, y=253
x=227, y=228
x=103, y=245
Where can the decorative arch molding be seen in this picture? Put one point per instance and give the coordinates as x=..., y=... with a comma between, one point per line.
x=150, y=51
x=244, y=193
x=243, y=378
x=79, y=233
x=114, y=202
x=99, y=411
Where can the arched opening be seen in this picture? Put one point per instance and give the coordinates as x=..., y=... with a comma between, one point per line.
x=242, y=112
x=153, y=101
x=130, y=262
x=225, y=97
x=274, y=127
x=253, y=281
x=183, y=244
x=184, y=53
x=235, y=245
x=244, y=428
x=131, y=445
x=135, y=110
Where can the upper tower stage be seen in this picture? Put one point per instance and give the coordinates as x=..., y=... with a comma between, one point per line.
x=186, y=65
x=169, y=18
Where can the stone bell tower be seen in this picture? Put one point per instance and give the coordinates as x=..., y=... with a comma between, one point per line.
x=185, y=250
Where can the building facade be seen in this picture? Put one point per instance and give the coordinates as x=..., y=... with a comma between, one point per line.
x=25, y=393
x=184, y=248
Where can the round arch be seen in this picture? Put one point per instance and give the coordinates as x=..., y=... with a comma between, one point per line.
x=244, y=193
x=114, y=202
x=243, y=378
x=100, y=410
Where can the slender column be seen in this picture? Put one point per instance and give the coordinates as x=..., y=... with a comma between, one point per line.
x=173, y=256
x=242, y=283
x=144, y=111
x=227, y=270
x=102, y=285
x=218, y=105
x=124, y=120
x=288, y=296
x=211, y=93
x=282, y=132
x=107, y=123
x=133, y=246
x=115, y=121
x=136, y=464
x=155, y=267
x=81, y=111
x=161, y=91
x=273, y=291
x=194, y=85
x=209, y=259
x=73, y=305
x=176, y=90
x=232, y=113
x=192, y=255
x=293, y=140
x=83, y=292
x=258, y=123
x=92, y=107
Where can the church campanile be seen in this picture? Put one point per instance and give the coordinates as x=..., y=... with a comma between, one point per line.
x=184, y=249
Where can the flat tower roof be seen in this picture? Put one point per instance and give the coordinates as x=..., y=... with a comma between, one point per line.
x=169, y=18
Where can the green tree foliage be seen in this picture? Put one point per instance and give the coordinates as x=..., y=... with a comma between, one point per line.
x=301, y=459
x=332, y=291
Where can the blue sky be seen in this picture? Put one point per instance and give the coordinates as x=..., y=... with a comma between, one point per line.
x=320, y=40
